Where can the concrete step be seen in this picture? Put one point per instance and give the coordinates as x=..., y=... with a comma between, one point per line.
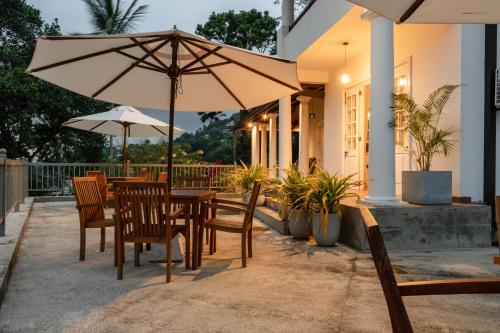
x=271, y=218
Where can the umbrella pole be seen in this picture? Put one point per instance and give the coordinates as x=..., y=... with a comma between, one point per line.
x=173, y=73
x=124, y=162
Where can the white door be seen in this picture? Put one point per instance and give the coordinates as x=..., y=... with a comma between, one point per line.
x=403, y=154
x=319, y=141
x=352, y=132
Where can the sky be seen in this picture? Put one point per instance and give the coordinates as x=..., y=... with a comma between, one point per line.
x=161, y=15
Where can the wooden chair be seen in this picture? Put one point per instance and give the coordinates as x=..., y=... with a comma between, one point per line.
x=192, y=183
x=394, y=291
x=91, y=210
x=234, y=226
x=146, y=173
x=162, y=177
x=100, y=176
x=142, y=216
x=496, y=259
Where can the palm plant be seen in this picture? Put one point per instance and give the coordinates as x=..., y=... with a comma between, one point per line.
x=244, y=176
x=423, y=124
x=111, y=17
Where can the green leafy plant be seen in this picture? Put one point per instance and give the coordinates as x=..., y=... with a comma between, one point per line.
x=422, y=122
x=244, y=176
x=326, y=192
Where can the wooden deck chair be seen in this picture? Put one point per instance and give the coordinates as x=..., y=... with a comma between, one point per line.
x=394, y=291
x=100, y=176
x=142, y=216
x=243, y=227
x=192, y=183
x=162, y=177
x=91, y=210
x=496, y=259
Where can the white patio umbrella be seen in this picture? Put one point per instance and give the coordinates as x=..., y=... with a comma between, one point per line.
x=170, y=70
x=435, y=11
x=123, y=121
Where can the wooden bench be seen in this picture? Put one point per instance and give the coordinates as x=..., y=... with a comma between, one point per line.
x=393, y=291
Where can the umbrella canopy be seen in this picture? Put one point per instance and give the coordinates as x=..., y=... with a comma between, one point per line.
x=171, y=70
x=435, y=11
x=113, y=122
x=122, y=121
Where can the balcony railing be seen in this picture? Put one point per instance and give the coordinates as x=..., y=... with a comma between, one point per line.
x=55, y=178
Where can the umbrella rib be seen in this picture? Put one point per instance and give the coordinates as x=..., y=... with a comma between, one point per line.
x=215, y=76
x=156, y=128
x=150, y=64
x=152, y=69
x=413, y=8
x=246, y=67
x=202, y=67
x=198, y=59
x=98, y=125
x=196, y=73
x=152, y=55
x=69, y=122
x=92, y=55
x=129, y=68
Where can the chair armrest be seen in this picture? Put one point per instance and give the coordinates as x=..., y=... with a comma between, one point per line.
x=179, y=212
x=450, y=287
x=223, y=207
x=230, y=202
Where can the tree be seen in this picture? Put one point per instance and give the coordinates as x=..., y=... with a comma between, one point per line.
x=32, y=110
x=110, y=16
x=251, y=30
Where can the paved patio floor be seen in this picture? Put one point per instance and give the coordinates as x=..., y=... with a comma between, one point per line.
x=289, y=286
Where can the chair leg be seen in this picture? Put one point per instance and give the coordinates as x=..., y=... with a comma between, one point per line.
x=207, y=238
x=121, y=258
x=249, y=241
x=244, y=249
x=187, y=237
x=103, y=239
x=215, y=241
x=137, y=249
x=115, y=246
x=210, y=241
x=148, y=246
x=82, y=242
x=141, y=247
x=169, y=257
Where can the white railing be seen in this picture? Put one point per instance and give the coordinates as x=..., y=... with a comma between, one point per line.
x=55, y=178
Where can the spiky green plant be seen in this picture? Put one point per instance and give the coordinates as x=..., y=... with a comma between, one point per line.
x=244, y=176
x=423, y=124
x=112, y=17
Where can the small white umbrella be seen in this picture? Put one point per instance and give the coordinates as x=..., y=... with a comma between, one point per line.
x=123, y=121
x=435, y=11
x=170, y=70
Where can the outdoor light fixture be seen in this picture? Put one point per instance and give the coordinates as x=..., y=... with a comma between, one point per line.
x=403, y=81
x=345, y=78
x=264, y=117
x=249, y=125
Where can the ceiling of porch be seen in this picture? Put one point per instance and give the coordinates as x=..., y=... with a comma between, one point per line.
x=327, y=52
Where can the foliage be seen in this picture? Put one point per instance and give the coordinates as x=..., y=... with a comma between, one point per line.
x=423, y=124
x=244, y=176
x=111, y=17
x=32, y=110
x=290, y=190
x=326, y=192
x=250, y=30
x=156, y=153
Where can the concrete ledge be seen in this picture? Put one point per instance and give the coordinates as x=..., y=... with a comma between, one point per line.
x=53, y=198
x=9, y=244
x=271, y=218
x=416, y=227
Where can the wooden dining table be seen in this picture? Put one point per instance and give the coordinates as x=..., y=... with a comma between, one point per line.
x=194, y=198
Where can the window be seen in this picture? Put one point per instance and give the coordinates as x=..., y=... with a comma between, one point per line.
x=400, y=121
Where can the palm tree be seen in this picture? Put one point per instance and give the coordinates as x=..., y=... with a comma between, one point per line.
x=111, y=17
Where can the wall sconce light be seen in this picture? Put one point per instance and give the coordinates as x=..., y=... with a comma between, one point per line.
x=312, y=115
x=264, y=117
x=345, y=78
x=249, y=125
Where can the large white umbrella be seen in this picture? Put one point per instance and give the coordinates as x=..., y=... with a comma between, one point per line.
x=435, y=11
x=123, y=121
x=170, y=70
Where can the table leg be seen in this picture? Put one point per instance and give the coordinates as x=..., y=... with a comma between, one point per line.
x=196, y=216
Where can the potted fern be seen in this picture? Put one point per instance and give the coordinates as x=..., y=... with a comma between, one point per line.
x=290, y=194
x=243, y=178
x=323, y=198
x=424, y=186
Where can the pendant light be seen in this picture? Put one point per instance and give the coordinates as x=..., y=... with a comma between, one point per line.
x=345, y=78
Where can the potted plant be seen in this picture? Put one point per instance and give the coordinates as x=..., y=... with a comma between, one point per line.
x=243, y=178
x=423, y=186
x=290, y=194
x=323, y=198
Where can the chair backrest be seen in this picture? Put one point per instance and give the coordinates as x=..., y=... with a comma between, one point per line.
x=162, y=177
x=88, y=199
x=192, y=183
x=146, y=173
x=141, y=208
x=497, y=217
x=397, y=311
x=252, y=203
x=101, y=182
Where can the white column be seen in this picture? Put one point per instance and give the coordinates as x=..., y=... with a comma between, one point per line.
x=272, y=143
x=263, y=145
x=381, y=159
x=304, y=133
x=287, y=11
x=255, y=145
x=285, y=132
